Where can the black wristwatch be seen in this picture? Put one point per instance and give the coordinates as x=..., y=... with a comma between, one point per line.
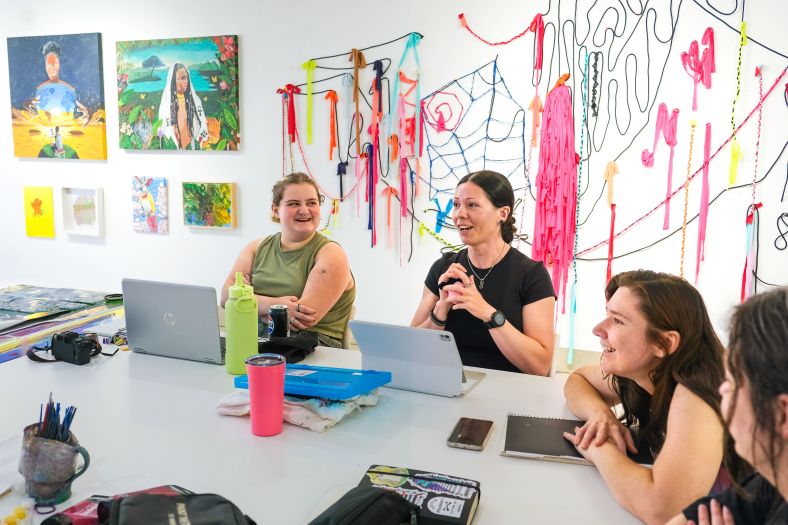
x=497, y=320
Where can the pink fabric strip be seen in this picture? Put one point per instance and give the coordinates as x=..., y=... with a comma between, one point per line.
x=667, y=126
x=704, y=203
x=610, y=245
x=403, y=187
x=556, y=185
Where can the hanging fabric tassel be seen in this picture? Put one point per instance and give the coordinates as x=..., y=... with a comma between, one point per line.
x=394, y=147
x=403, y=187
x=570, y=354
x=309, y=66
x=347, y=98
x=736, y=153
x=610, y=243
x=700, y=68
x=332, y=98
x=751, y=249
x=377, y=67
x=357, y=57
x=288, y=92
x=341, y=170
x=611, y=170
x=693, y=125
x=442, y=215
x=372, y=181
x=389, y=192
x=668, y=128
x=703, y=214
x=556, y=187
x=361, y=174
x=411, y=46
x=536, y=108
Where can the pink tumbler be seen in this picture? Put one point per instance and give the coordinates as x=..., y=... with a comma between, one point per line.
x=266, y=374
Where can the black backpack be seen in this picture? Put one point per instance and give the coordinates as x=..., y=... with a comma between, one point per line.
x=369, y=506
x=160, y=509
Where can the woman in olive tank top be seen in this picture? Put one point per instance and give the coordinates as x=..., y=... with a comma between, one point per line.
x=299, y=267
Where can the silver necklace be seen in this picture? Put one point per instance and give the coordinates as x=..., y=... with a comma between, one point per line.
x=481, y=279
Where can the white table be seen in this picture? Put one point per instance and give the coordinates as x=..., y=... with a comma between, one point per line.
x=149, y=421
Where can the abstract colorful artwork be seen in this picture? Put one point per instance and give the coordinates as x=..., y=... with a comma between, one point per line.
x=209, y=204
x=83, y=211
x=178, y=94
x=57, y=99
x=149, y=200
x=39, y=211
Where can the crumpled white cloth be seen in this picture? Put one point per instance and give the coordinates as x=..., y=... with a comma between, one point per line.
x=315, y=413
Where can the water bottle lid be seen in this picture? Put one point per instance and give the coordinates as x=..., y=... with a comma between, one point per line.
x=240, y=289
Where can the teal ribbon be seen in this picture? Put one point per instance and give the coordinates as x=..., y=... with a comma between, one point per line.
x=411, y=45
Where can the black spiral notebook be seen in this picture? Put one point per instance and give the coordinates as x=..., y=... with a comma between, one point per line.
x=542, y=438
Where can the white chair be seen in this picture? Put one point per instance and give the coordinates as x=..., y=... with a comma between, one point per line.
x=347, y=336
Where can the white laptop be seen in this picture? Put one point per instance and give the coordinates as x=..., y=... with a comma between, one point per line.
x=419, y=359
x=173, y=320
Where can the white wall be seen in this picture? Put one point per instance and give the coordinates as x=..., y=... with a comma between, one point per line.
x=276, y=37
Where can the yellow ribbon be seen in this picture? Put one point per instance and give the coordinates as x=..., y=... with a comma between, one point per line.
x=309, y=66
x=735, y=156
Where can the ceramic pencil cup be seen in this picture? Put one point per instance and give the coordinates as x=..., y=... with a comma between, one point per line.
x=50, y=466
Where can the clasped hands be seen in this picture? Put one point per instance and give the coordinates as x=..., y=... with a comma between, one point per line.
x=602, y=430
x=460, y=293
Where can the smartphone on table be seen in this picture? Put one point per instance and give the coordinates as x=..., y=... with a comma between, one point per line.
x=470, y=433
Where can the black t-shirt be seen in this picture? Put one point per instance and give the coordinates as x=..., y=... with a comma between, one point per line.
x=511, y=284
x=763, y=506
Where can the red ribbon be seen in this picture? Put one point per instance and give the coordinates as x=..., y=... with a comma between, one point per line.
x=288, y=92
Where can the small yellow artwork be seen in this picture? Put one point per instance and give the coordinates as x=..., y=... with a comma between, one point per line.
x=39, y=211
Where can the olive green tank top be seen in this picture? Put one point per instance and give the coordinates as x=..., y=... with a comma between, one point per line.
x=276, y=273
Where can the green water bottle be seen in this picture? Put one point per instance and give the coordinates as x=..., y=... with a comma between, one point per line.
x=241, y=325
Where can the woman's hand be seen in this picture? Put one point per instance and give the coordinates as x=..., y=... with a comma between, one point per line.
x=456, y=272
x=592, y=452
x=716, y=514
x=465, y=296
x=601, y=428
x=301, y=316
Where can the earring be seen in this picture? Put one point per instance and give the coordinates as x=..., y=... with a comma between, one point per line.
x=274, y=217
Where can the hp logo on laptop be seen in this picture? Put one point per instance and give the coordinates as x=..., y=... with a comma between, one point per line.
x=169, y=319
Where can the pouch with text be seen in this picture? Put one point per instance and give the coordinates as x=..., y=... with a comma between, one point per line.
x=157, y=509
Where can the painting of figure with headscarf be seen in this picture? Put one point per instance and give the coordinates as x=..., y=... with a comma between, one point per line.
x=57, y=99
x=178, y=94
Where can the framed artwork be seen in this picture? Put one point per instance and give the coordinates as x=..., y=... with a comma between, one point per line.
x=150, y=205
x=83, y=211
x=209, y=204
x=57, y=98
x=178, y=94
x=39, y=211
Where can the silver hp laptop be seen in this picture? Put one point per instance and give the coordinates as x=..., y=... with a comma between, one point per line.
x=419, y=359
x=172, y=320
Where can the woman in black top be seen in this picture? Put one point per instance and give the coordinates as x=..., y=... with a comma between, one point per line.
x=755, y=407
x=496, y=302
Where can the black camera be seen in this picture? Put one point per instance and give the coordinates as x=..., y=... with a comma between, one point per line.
x=73, y=348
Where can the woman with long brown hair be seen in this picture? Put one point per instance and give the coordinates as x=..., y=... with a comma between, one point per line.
x=662, y=362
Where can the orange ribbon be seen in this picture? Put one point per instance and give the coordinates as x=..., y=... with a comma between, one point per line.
x=357, y=57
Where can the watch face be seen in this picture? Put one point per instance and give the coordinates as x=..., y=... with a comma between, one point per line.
x=498, y=319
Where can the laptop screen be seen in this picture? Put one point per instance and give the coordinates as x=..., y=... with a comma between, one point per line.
x=172, y=320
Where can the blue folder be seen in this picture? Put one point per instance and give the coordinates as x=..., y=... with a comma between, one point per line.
x=327, y=382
